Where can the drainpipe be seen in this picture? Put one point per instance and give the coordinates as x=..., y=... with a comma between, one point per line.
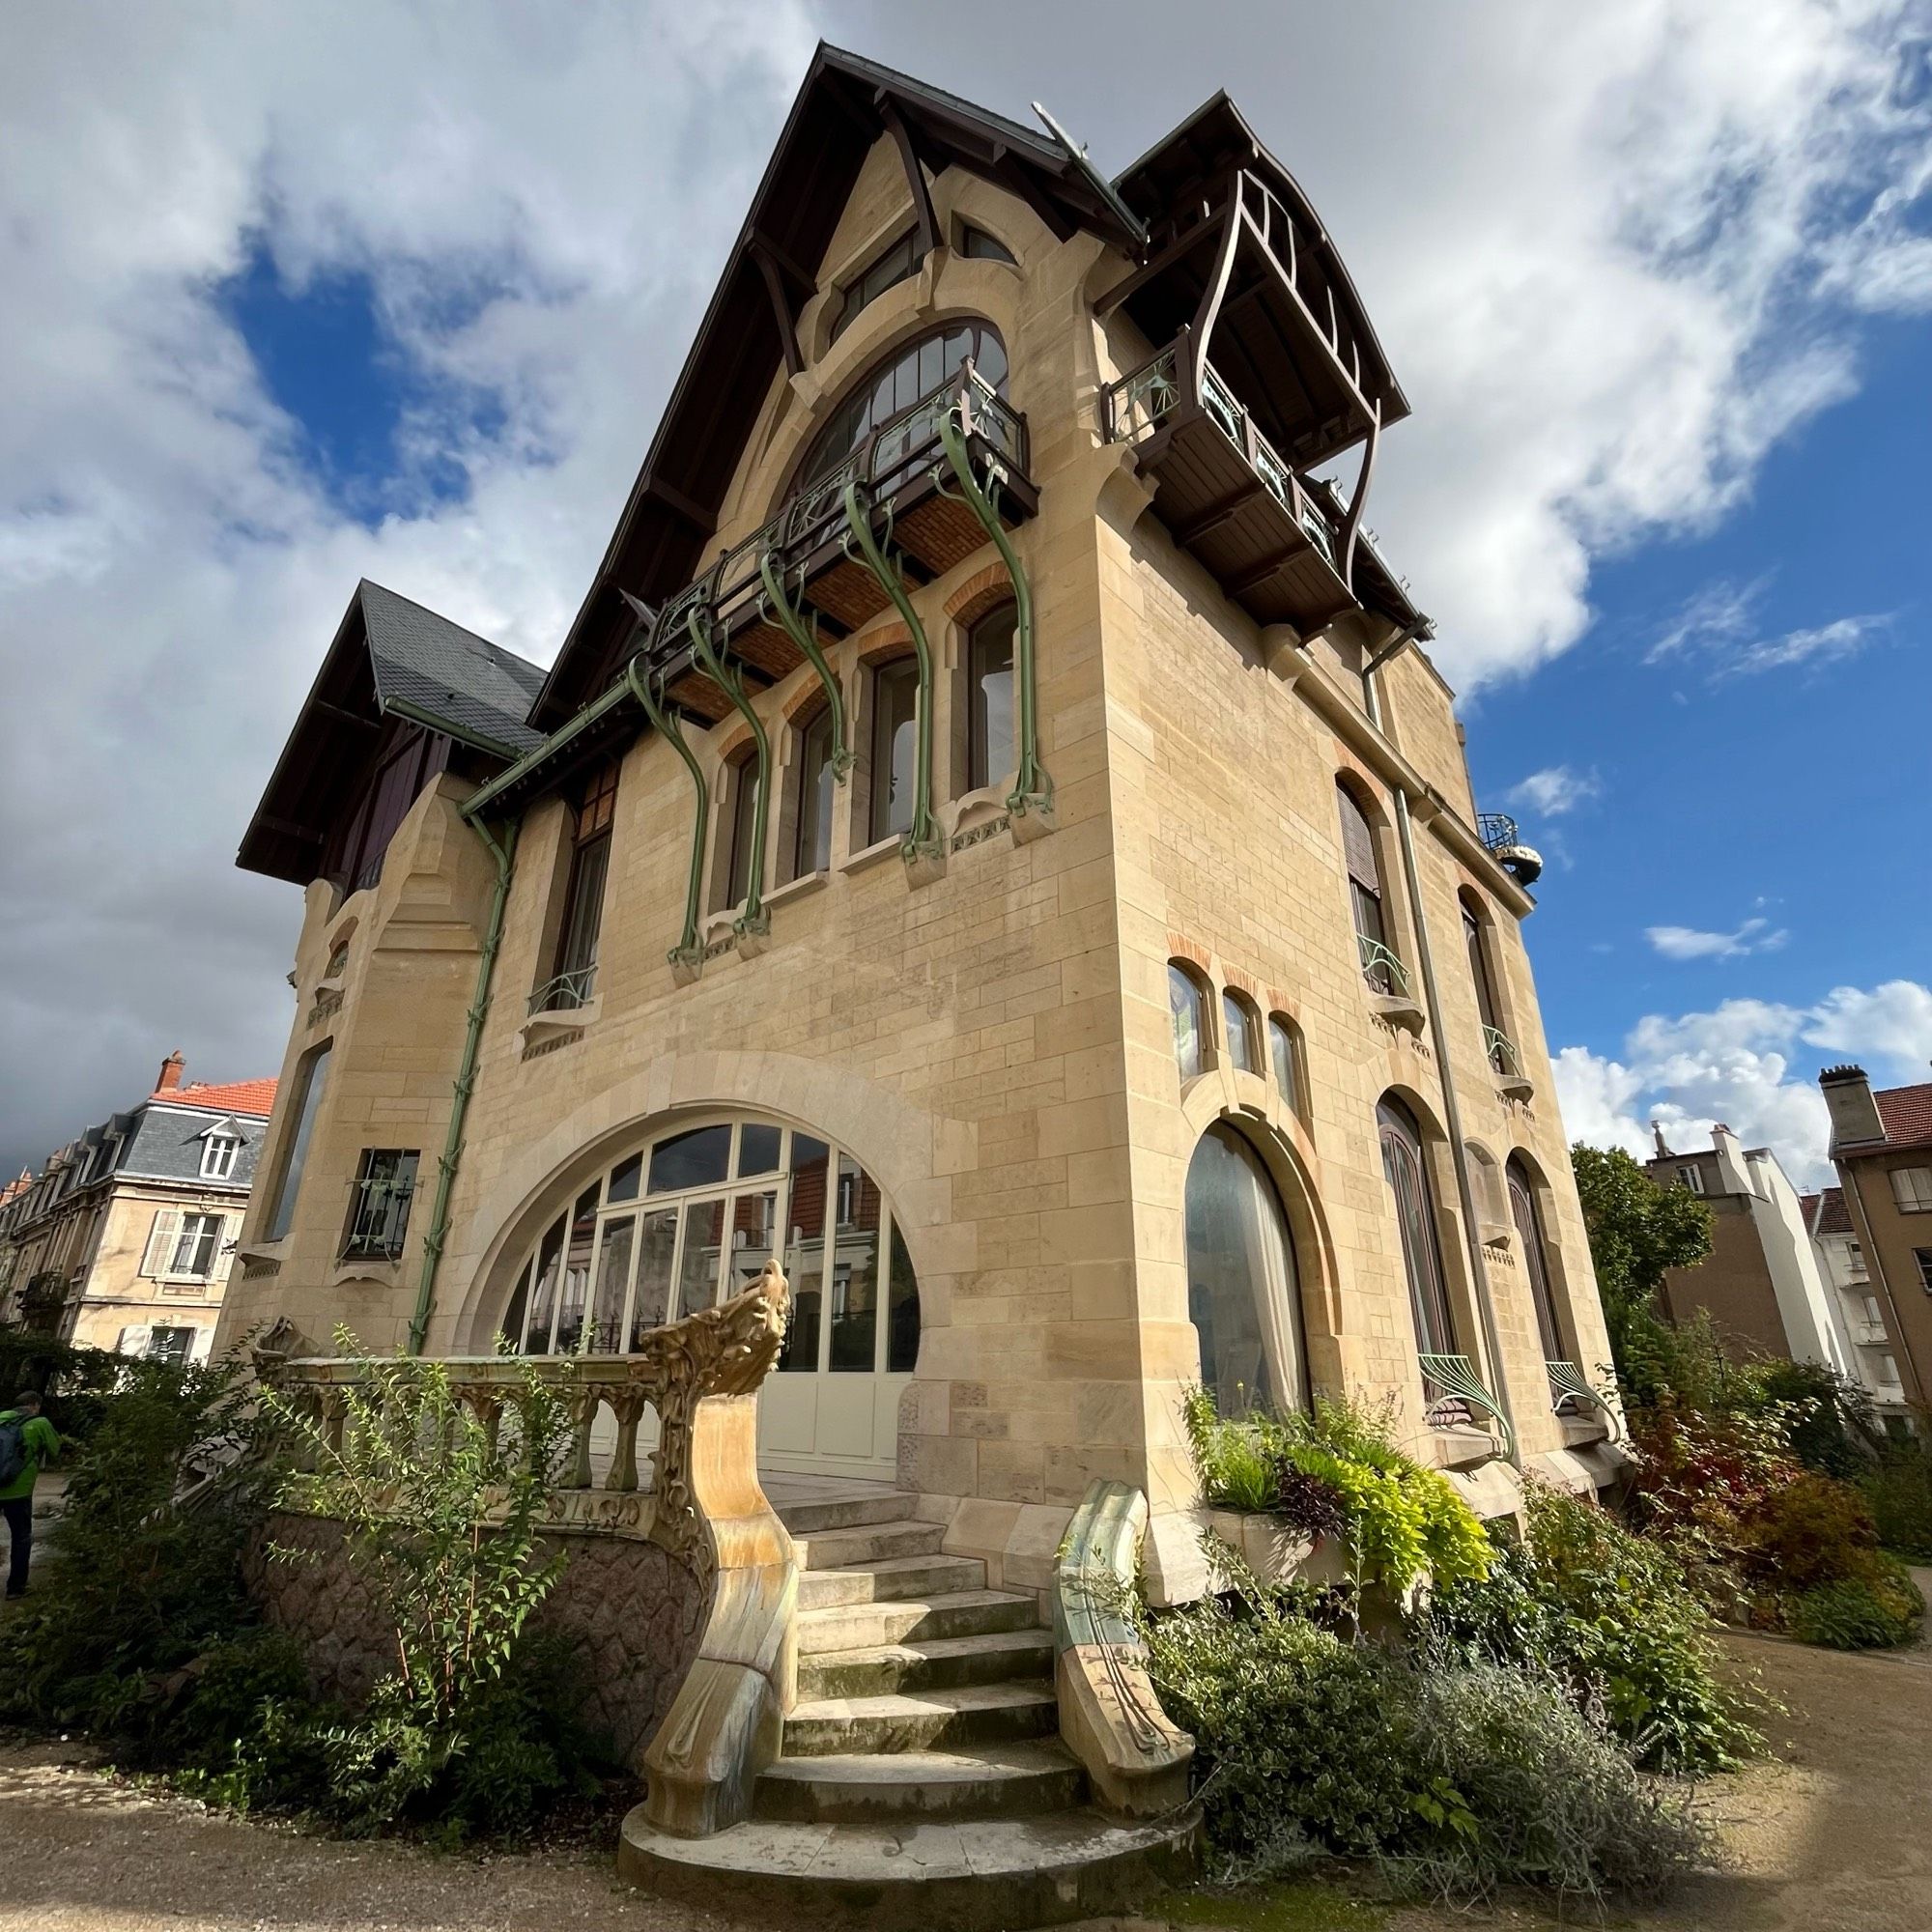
x=504, y=851
x=1452, y=1114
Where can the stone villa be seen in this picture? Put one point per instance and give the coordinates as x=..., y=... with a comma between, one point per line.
x=993, y=842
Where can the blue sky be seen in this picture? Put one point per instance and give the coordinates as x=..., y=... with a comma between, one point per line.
x=399, y=289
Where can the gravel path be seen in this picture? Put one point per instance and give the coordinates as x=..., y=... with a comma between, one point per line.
x=1831, y=1836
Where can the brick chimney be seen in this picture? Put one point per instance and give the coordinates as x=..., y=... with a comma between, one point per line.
x=171, y=1072
x=1855, y=1118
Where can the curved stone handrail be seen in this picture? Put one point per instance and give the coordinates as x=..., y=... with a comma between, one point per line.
x=1136, y=1758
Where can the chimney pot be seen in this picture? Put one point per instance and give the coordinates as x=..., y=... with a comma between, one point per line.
x=171, y=1072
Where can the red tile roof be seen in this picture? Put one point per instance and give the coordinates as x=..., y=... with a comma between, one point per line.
x=1831, y=1217
x=231, y=1097
x=1907, y=1114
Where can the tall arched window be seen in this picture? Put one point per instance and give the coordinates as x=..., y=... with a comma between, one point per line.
x=989, y=683
x=1535, y=1259
x=1238, y=1021
x=1407, y=1175
x=908, y=376
x=811, y=846
x=742, y=794
x=1188, y=1008
x=1285, y=1055
x=1365, y=891
x=895, y=771
x=1243, y=1295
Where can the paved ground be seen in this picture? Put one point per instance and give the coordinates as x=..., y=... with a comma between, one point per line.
x=1832, y=1837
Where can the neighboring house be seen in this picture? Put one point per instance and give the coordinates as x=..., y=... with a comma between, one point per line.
x=1761, y=1283
x=1841, y=1261
x=125, y=1238
x=1881, y=1147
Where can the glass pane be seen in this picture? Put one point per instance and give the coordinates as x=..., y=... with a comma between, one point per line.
x=805, y=1253
x=744, y=822
x=901, y=1311
x=758, y=1148
x=894, y=747
x=1240, y=1034
x=755, y=1220
x=855, y=1271
x=511, y=1328
x=695, y=1158
x=1242, y=1294
x=315, y=1079
x=543, y=1304
x=1183, y=1004
x=698, y=1267
x=992, y=715
x=624, y=1178
x=575, y=1296
x=584, y=911
x=814, y=798
x=613, y=1281
x=1530, y=1232
x=1402, y=1164
x=1281, y=1050
x=650, y=1306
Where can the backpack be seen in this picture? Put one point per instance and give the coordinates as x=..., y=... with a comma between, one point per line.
x=13, y=1448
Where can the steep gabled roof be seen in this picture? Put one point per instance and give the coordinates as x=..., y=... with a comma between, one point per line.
x=390, y=657
x=1907, y=1114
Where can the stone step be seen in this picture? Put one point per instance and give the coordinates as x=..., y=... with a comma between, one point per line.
x=970, y=1713
x=808, y=1519
x=890, y=1579
x=867, y=1542
x=928, y=1663
x=981, y=1875
x=994, y=1781
x=956, y=1613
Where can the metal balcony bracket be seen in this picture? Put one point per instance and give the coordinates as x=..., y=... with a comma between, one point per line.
x=1033, y=790
x=787, y=616
x=1456, y=1375
x=1566, y=1381
x=687, y=957
x=921, y=843
x=755, y=920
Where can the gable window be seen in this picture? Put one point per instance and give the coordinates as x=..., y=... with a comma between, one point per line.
x=574, y=976
x=1406, y=1173
x=218, y=1157
x=1912, y=1189
x=894, y=747
x=812, y=849
x=896, y=263
x=989, y=674
x=1188, y=1009
x=183, y=1246
x=1285, y=1057
x=978, y=245
x=1535, y=1259
x=378, y=1208
x=1365, y=893
x=1237, y=1022
x=311, y=1077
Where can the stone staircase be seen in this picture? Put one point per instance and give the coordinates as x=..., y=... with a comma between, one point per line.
x=922, y=1781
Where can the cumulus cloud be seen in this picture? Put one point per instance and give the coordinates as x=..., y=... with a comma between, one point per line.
x=1686, y=942
x=1617, y=254
x=1740, y=1063
x=1555, y=790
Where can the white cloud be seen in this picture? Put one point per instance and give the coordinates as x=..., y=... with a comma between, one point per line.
x=1555, y=790
x=1719, y=627
x=1686, y=942
x=1739, y=1063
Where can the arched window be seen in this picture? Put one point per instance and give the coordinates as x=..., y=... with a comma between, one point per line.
x=1285, y=1055
x=1495, y=1043
x=894, y=769
x=1407, y=1175
x=1238, y=1023
x=990, y=680
x=1243, y=1295
x=690, y=1219
x=978, y=245
x=1365, y=891
x=908, y=376
x=1187, y=1007
x=573, y=977
x=1535, y=1259
x=741, y=792
x=812, y=843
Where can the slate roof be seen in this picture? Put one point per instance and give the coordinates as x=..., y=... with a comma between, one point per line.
x=1907, y=1114
x=228, y=1096
x=425, y=660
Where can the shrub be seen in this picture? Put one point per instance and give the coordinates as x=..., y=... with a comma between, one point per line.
x=75, y=1381
x=1899, y=1493
x=1814, y=1529
x=1875, y=1610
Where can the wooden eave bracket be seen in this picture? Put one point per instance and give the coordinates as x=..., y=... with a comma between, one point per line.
x=926, y=220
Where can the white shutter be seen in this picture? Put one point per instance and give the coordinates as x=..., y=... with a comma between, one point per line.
x=161, y=1240
x=134, y=1340
x=225, y=1239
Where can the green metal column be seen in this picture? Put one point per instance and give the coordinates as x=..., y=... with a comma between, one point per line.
x=688, y=951
x=791, y=621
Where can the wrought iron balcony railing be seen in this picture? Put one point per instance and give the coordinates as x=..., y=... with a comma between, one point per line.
x=1454, y=1388
x=1382, y=968
x=1569, y=1390
x=1499, y=831
x=565, y=992
x=379, y=1214
x=1503, y=1053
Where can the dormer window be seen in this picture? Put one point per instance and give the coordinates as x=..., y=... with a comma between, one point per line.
x=895, y=265
x=218, y=1152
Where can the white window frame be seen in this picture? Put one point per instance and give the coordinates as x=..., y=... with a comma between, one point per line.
x=1912, y=1189
x=218, y=1156
x=1692, y=1177
x=179, y=1234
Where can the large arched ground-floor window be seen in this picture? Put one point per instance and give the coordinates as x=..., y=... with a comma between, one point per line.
x=1243, y=1292
x=688, y=1220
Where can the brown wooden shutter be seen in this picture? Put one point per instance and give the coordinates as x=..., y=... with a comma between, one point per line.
x=1358, y=843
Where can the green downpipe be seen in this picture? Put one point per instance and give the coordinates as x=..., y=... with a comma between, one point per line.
x=789, y=619
x=504, y=851
x=922, y=839
x=731, y=682
x=1033, y=788
x=689, y=951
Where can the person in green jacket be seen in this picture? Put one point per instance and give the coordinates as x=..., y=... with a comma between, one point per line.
x=38, y=1443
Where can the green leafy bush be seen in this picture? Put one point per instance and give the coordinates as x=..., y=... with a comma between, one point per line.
x=1811, y=1530
x=75, y=1382
x=1898, y=1489
x=1875, y=1610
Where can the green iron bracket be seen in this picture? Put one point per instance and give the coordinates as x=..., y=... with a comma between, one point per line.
x=755, y=919
x=1456, y=1375
x=688, y=951
x=1566, y=1381
x=1033, y=789
x=784, y=614
x=922, y=839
